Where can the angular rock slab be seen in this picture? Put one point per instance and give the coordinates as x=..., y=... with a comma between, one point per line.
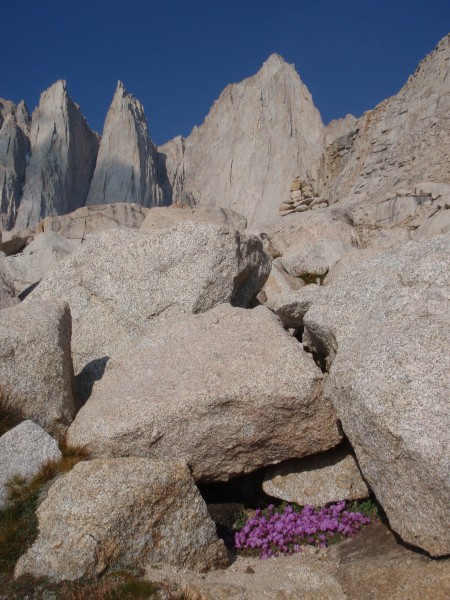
x=130, y=511
x=227, y=391
x=121, y=281
x=23, y=451
x=384, y=323
x=326, y=477
x=35, y=362
x=165, y=216
x=7, y=292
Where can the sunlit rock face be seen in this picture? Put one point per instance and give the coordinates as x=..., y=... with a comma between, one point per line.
x=126, y=168
x=63, y=154
x=258, y=135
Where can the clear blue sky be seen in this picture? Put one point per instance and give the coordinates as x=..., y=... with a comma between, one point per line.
x=176, y=56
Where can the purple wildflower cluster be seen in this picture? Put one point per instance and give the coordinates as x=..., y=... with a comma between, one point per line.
x=270, y=533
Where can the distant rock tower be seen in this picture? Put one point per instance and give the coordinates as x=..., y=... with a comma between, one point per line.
x=126, y=168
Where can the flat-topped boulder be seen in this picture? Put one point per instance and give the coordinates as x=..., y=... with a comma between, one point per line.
x=227, y=391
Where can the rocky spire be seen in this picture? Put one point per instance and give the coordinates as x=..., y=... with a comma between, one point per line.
x=14, y=151
x=63, y=154
x=257, y=137
x=126, y=164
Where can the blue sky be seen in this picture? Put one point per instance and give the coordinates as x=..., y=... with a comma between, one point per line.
x=176, y=56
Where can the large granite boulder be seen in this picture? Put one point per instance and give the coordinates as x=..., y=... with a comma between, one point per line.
x=63, y=155
x=23, y=451
x=326, y=477
x=126, y=169
x=382, y=325
x=35, y=362
x=227, y=391
x=90, y=220
x=40, y=256
x=121, y=282
x=129, y=511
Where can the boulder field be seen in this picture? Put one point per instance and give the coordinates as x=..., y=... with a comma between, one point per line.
x=220, y=341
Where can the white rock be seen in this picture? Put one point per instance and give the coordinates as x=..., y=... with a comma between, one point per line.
x=23, y=451
x=127, y=511
x=227, y=391
x=63, y=154
x=126, y=162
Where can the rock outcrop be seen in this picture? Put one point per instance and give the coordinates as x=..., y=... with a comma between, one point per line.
x=403, y=141
x=382, y=325
x=166, y=216
x=23, y=451
x=7, y=291
x=127, y=511
x=90, y=220
x=63, y=154
x=227, y=391
x=35, y=362
x=14, y=153
x=120, y=282
x=258, y=136
x=126, y=169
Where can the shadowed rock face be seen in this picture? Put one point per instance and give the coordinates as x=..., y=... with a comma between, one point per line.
x=63, y=154
x=259, y=134
x=126, y=165
x=14, y=149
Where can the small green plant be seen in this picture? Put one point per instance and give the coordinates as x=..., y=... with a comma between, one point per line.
x=366, y=507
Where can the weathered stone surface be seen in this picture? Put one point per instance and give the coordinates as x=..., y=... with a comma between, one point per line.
x=14, y=242
x=35, y=362
x=327, y=477
x=126, y=169
x=438, y=223
x=40, y=256
x=278, y=283
x=311, y=242
x=121, y=281
x=404, y=142
x=14, y=151
x=23, y=451
x=128, y=511
x=227, y=391
x=162, y=217
x=90, y=220
x=383, y=323
x=7, y=293
x=376, y=565
x=230, y=161
x=63, y=154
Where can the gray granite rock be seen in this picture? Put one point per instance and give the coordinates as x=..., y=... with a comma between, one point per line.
x=35, y=362
x=162, y=217
x=258, y=135
x=383, y=326
x=129, y=511
x=23, y=451
x=126, y=169
x=227, y=391
x=14, y=152
x=326, y=477
x=63, y=154
x=7, y=293
x=121, y=282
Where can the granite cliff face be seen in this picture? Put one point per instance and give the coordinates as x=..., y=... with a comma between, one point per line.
x=405, y=140
x=259, y=134
x=14, y=152
x=126, y=164
x=63, y=154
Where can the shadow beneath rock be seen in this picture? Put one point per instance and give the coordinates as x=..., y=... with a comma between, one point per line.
x=84, y=381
